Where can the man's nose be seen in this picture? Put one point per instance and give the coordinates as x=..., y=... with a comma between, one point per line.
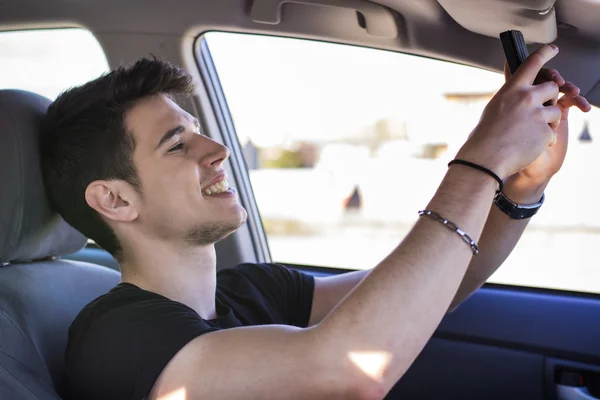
x=212, y=154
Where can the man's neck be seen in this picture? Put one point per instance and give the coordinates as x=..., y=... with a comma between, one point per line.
x=186, y=275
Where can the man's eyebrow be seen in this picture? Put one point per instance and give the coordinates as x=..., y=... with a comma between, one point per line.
x=169, y=134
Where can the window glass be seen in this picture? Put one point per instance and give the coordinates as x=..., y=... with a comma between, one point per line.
x=345, y=144
x=48, y=61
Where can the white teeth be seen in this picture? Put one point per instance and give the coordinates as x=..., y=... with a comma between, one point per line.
x=218, y=187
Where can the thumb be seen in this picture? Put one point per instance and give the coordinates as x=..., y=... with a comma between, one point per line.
x=531, y=67
x=507, y=73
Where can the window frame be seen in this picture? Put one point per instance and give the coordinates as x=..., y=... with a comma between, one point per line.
x=237, y=162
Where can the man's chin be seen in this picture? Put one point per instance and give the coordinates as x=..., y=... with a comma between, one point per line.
x=244, y=216
x=225, y=236
x=211, y=233
x=237, y=225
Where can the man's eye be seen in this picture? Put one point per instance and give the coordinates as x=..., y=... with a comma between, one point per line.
x=175, y=148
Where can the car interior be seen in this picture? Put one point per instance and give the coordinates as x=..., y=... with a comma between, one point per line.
x=505, y=342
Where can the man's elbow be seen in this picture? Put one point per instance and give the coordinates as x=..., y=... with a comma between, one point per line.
x=452, y=308
x=364, y=391
x=459, y=298
x=345, y=375
x=353, y=386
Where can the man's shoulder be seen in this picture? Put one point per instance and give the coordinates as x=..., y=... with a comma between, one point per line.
x=267, y=293
x=257, y=280
x=126, y=337
x=122, y=294
x=126, y=307
x=122, y=298
x=253, y=272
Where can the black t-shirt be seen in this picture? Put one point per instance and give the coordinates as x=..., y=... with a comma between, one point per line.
x=120, y=343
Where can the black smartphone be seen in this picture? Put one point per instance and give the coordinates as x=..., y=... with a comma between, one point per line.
x=515, y=49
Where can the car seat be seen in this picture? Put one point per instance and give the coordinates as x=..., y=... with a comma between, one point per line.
x=40, y=293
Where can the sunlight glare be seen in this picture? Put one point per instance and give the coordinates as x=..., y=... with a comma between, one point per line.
x=179, y=394
x=372, y=363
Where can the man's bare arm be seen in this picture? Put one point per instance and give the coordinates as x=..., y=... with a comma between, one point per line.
x=498, y=239
x=501, y=234
x=330, y=290
x=417, y=282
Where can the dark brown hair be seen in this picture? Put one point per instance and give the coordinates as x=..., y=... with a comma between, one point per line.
x=85, y=139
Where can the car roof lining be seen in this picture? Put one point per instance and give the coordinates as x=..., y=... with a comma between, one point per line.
x=424, y=27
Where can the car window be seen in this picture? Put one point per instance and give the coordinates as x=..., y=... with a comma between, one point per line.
x=48, y=61
x=345, y=144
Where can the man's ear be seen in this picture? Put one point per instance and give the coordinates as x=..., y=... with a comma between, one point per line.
x=114, y=200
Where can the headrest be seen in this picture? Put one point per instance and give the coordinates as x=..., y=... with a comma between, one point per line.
x=29, y=230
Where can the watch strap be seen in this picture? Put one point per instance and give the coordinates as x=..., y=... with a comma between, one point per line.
x=514, y=210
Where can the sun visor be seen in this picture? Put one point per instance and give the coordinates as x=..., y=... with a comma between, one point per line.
x=535, y=18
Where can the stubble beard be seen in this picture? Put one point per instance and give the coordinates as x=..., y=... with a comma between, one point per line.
x=212, y=233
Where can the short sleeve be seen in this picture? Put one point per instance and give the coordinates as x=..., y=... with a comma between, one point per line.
x=129, y=345
x=286, y=293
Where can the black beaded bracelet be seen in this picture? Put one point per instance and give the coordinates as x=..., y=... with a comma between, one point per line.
x=480, y=168
x=452, y=226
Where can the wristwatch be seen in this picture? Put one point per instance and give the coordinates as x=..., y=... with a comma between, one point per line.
x=517, y=211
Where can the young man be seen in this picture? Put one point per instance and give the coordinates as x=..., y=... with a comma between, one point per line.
x=131, y=170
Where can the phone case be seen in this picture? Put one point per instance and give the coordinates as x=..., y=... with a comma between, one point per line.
x=515, y=48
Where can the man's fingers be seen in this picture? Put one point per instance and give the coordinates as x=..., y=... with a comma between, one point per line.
x=567, y=101
x=532, y=66
x=551, y=115
x=549, y=74
x=569, y=88
x=583, y=104
x=580, y=102
x=547, y=91
x=507, y=73
x=553, y=135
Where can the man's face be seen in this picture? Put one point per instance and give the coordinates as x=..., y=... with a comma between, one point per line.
x=184, y=195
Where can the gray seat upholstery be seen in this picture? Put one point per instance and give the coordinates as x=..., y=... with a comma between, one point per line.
x=40, y=294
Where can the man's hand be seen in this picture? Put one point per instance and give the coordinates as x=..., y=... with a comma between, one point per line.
x=515, y=126
x=527, y=186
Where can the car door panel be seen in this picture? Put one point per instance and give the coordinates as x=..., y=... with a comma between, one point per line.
x=453, y=369
x=553, y=323
x=507, y=342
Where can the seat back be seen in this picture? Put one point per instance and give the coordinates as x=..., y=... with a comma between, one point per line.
x=40, y=294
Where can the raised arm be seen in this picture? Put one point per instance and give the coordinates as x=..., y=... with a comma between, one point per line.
x=370, y=339
x=501, y=233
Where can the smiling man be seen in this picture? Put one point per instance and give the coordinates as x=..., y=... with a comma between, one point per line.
x=129, y=168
